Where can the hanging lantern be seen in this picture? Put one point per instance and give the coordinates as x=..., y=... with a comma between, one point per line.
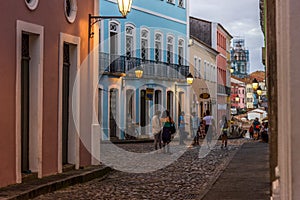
x=139, y=72
x=254, y=84
x=189, y=78
x=259, y=91
x=124, y=6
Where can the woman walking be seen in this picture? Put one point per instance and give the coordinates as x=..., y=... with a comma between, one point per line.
x=224, y=127
x=166, y=133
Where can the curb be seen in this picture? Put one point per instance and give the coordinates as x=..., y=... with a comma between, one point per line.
x=61, y=183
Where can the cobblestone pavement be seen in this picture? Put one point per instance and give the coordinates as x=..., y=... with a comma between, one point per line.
x=188, y=177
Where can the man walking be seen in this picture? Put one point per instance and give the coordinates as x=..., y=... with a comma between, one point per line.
x=156, y=129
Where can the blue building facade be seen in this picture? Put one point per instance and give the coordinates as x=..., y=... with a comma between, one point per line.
x=153, y=38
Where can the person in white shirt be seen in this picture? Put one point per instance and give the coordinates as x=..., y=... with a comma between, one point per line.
x=208, y=121
x=156, y=129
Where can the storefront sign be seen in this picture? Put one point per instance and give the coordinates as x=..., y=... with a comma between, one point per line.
x=149, y=94
x=205, y=96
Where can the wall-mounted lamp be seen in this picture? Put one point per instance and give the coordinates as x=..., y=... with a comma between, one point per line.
x=231, y=70
x=259, y=91
x=124, y=8
x=189, y=78
x=139, y=72
x=191, y=42
x=254, y=84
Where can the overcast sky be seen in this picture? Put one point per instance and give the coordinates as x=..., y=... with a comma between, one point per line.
x=239, y=18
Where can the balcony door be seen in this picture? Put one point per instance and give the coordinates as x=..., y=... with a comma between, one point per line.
x=113, y=45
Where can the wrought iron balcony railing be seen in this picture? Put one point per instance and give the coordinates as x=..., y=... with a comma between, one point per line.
x=116, y=64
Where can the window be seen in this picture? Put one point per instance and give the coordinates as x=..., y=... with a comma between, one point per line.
x=158, y=47
x=32, y=4
x=181, y=3
x=144, y=44
x=180, y=52
x=170, y=46
x=199, y=68
x=113, y=33
x=71, y=10
x=129, y=41
x=170, y=1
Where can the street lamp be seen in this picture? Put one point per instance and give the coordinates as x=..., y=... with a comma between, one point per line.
x=259, y=91
x=254, y=84
x=139, y=72
x=231, y=70
x=124, y=8
x=189, y=79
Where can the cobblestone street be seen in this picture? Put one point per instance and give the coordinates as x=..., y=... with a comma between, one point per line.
x=188, y=177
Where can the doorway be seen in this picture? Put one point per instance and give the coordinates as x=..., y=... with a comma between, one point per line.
x=143, y=111
x=157, y=100
x=113, y=97
x=65, y=102
x=170, y=97
x=25, y=88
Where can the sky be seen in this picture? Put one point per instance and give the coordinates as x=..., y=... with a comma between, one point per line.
x=239, y=18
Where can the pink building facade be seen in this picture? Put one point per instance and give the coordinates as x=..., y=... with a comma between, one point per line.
x=43, y=45
x=222, y=46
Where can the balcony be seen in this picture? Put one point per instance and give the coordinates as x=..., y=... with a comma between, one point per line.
x=119, y=65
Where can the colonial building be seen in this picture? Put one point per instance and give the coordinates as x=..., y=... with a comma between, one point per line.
x=216, y=36
x=239, y=58
x=42, y=49
x=203, y=65
x=238, y=94
x=157, y=47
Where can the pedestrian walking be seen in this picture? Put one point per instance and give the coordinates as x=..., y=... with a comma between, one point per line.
x=256, y=128
x=166, y=133
x=208, y=121
x=195, y=128
x=224, y=130
x=251, y=131
x=182, y=133
x=156, y=129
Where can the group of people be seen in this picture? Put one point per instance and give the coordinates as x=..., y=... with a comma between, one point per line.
x=259, y=131
x=162, y=129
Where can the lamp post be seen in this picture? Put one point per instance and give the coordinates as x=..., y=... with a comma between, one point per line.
x=254, y=84
x=124, y=8
x=189, y=81
x=139, y=72
x=259, y=91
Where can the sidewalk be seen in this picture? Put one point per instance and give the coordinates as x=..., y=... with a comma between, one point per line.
x=246, y=177
x=36, y=187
